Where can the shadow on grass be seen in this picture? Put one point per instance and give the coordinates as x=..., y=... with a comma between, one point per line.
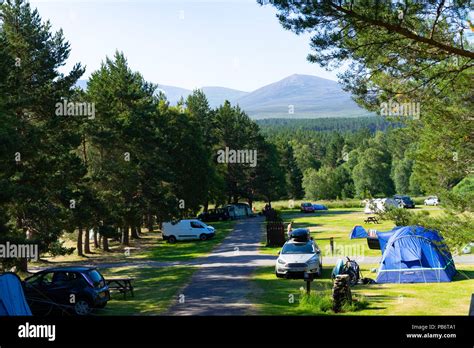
x=463, y=275
x=184, y=250
x=154, y=290
x=275, y=295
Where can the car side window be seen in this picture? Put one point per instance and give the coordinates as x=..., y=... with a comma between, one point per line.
x=47, y=278
x=195, y=224
x=34, y=280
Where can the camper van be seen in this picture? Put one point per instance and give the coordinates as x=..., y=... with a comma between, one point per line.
x=373, y=206
x=187, y=230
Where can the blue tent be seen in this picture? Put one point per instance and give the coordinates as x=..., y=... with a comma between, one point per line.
x=358, y=232
x=413, y=254
x=12, y=298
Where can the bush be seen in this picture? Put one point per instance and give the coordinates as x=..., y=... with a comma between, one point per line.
x=315, y=302
x=321, y=303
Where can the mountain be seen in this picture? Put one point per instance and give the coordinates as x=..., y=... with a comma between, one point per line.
x=174, y=94
x=305, y=95
x=217, y=95
x=296, y=96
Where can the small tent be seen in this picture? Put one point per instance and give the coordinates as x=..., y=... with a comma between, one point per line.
x=358, y=232
x=12, y=298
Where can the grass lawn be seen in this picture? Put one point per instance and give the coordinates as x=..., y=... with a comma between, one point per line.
x=337, y=223
x=150, y=246
x=180, y=251
x=273, y=294
x=154, y=289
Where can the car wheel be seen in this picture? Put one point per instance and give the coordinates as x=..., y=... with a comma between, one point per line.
x=82, y=307
x=172, y=239
x=203, y=237
x=319, y=273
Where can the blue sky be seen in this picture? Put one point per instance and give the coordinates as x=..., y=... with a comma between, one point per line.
x=187, y=43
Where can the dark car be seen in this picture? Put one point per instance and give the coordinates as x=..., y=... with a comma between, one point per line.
x=307, y=208
x=218, y=214
x=405, y=201
x=67, y=289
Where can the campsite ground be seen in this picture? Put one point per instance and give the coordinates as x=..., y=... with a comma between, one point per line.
x=155, y=288
x=383, y=299
x=273, y=297
x=162, y=270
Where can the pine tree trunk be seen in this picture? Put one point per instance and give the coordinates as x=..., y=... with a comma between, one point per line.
x=79, y=242
x=22, y=263
x=125, y=237
x=87, y=244
x=96, y=242
x=135, y=233
x=149, y=222
x=105, y=243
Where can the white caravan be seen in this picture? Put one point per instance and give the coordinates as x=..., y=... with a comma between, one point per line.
x=187, y=230
x=373, y=206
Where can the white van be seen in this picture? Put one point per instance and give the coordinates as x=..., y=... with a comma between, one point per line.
x=187, y=230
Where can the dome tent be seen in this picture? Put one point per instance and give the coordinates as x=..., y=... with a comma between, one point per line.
x=414, y=254
x=12, y=298
x=410, y=254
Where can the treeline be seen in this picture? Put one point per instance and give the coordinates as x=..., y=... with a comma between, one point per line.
x=347, y=158
x=116, y=156
x=338, y=124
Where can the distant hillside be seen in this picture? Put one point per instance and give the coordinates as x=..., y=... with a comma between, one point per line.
x=308, y=96
x=297, y=96
x=217, y=95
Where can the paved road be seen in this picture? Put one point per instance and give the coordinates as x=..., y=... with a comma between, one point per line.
x=221, y=285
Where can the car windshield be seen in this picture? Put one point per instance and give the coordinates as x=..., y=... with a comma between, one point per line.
x=306, y=204
x=298, y=248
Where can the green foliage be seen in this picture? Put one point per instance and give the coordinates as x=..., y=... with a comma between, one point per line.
x=315, y=302
x=321, y=302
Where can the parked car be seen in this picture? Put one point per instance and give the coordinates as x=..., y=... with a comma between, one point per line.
x=297, y=258
x=405, y=201
x=432, y=200
x=191, y=229
x=73, y=289
x=219, y=214
x=307, y=208
x=319, y=207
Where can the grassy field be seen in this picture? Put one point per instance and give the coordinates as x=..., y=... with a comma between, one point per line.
x=274, y=295
x=150, y=246
x=337, y=223
x=154, y=289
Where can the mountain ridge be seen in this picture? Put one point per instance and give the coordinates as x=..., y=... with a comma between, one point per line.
x=295, y=96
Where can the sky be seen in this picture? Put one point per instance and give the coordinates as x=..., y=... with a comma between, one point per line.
x=186, y=43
